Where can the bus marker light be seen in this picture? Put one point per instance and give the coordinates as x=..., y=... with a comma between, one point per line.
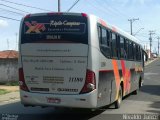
x=84, y=14
x=114, y=29
x=102, y=22
x=27, y=16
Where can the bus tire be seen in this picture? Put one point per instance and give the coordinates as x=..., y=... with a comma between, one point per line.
x=139, y=86
x=135, y=92
x=140, y=83
x=119, y=100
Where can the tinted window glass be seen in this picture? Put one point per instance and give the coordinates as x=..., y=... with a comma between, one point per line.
x=108, y=38
x=126, y=48
x=104, y=41
x=104, y=37
x=122, y=51
x=114, y=45
x=139, y=53
x=100, y=34
x=130, y=50
x=55, y=28
x=134, y=51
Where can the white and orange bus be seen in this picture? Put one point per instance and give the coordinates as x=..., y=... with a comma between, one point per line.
x=76, y=60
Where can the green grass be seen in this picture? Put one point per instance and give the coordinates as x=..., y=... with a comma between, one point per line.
x=2, y=91
x=10, y=83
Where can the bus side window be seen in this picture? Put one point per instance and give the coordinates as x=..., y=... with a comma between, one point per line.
x=137, y=53
x=104, y=37
x=126, y=48
x=130, y=50
x=122, y=51
x=134, y=51
x=99, y=33
x=108, y=38
x=108, y=43
x=118, y=45
x=114, y=45
x=104, y=41
x=141, y=53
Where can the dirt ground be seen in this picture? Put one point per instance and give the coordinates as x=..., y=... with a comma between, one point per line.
x=10, y=88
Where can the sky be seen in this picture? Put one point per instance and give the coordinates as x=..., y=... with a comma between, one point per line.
x=115, y=12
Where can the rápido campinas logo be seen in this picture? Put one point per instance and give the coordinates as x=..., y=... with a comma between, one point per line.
x=35, y=27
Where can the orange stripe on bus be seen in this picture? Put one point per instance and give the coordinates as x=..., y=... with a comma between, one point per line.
x=102, y=22
x=123, y=74
x=128, y=80
x=126, y=77
x=114, y=29
x=116, y=75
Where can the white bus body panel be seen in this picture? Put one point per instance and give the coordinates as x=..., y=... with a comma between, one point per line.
x=60, y=72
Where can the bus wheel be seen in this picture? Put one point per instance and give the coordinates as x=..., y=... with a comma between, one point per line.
x=139, y=86
x=119, y=100
x=135, y=92
x=140, y=83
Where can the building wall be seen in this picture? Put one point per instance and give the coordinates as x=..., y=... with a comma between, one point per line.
x=8, y=69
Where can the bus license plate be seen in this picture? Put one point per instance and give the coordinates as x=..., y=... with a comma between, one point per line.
x=53, y=100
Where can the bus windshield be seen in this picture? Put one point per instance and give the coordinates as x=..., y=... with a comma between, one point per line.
x=55, y=28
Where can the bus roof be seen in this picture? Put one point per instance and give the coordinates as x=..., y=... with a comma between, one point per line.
x=117, y=30
x=55, y=13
